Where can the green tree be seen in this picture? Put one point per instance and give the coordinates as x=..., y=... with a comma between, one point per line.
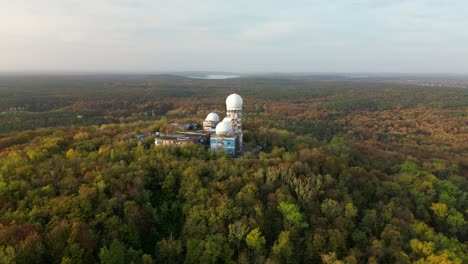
x=146, y=259
x=237, y=231
x=330, y=208
x=456, y=222
x=440, y=209
x=214, y=250
x=71, y=154
x=115, y=254
x=292, y=215
x=7, y=254
x=169, y=250
x=255, y=240
x=350, y=211
x=283, y=248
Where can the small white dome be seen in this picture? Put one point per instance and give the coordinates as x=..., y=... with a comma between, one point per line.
x=213, y=117
x=234, y=102
x=224, y=129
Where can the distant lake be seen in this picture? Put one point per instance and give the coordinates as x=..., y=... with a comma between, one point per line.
x=215, y=76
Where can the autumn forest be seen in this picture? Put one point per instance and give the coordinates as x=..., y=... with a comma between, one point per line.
x=335, y=171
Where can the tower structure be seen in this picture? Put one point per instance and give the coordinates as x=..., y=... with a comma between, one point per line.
x=234, y=112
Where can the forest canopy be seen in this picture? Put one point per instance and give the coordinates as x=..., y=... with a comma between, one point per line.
x=334, y=172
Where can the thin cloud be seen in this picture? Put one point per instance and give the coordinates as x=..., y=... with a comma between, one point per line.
x=269, y=30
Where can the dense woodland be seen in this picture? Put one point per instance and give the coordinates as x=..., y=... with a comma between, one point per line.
x=335, y=172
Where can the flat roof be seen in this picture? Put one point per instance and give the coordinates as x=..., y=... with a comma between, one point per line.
x=177, y=136
x=195, y=133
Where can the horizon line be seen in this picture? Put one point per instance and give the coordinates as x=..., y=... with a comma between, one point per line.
x=177, y=72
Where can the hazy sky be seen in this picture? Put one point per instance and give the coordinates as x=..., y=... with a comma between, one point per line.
x=235, y=35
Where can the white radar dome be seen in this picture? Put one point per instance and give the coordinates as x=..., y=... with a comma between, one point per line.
x=224, y=129
x=227, y=119
x=234, y=102
x=213, y=117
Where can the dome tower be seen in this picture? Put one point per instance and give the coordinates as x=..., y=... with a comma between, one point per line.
x=211, y=120
x=224, y=129
x=234, y=112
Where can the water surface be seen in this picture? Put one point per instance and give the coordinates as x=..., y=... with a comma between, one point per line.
x=215, y=76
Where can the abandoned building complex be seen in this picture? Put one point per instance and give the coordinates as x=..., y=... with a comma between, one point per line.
x=225, y=135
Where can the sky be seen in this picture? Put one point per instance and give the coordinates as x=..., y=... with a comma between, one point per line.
x=397, y=36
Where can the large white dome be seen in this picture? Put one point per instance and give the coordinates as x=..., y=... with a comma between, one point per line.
x=213, y=117
x=227, y=119
x=234, y=102
x=224, y=129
